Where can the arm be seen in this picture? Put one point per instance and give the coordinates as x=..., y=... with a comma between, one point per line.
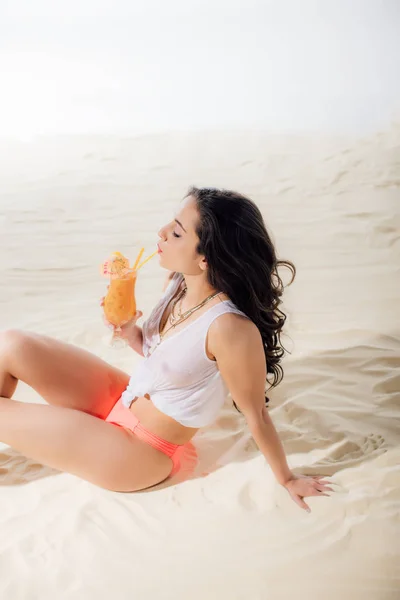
x=134, y=337
x=237, y=345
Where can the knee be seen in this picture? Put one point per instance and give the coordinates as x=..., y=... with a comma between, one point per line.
x=11, y=340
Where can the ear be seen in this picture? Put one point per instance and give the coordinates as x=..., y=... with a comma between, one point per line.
x=203, y=265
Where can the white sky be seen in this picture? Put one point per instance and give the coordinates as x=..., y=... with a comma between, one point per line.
x=122, y=66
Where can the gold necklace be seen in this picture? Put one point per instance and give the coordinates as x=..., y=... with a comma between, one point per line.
x=172, y=317
x=185, y=316
x=189, y=312
x=180, y=305
x=180, y=315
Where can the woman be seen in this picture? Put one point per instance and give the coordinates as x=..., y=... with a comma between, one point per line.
x=215, y=329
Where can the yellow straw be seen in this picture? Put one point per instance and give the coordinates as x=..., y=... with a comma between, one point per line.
x=147, y=259
x=138, y=258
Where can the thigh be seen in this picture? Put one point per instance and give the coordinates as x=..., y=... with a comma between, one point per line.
x=78, y=443
x=63, y=374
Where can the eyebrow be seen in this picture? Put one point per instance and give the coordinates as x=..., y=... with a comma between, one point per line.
x=180, y=224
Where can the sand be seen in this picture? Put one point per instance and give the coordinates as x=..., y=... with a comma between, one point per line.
x=226, y=529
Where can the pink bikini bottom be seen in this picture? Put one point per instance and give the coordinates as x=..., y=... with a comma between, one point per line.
x=122, y=416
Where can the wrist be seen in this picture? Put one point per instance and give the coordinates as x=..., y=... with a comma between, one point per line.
x=130, y=331
x=135, y=333
x=283, y=481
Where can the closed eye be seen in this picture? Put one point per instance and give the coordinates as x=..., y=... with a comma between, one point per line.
x=176, y=235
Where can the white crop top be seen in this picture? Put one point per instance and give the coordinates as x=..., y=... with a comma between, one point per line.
x=181, y=380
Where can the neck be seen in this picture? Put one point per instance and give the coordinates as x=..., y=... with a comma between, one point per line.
x=198, y=289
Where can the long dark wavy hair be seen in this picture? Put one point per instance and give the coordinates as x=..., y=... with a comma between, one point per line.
x=242, y=263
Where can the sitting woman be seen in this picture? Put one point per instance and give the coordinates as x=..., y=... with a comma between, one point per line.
x=215, y=330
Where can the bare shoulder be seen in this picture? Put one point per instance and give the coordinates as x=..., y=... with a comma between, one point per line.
x=237, y=346
x=231, y=330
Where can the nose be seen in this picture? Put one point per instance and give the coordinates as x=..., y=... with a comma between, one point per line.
x=161, y=233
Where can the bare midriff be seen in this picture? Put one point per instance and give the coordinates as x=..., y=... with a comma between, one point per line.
x=143, y=408
x=159, y=423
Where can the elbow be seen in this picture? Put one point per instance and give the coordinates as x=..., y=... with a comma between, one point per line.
x=257, y=421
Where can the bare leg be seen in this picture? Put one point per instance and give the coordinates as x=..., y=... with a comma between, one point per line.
x=8, y=384
x=61, y=373
x=83, y=445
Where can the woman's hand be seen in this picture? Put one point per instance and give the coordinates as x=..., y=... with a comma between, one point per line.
x=300, y=486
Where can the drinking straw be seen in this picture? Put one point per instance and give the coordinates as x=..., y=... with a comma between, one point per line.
x=138, y=258
x=147, y=259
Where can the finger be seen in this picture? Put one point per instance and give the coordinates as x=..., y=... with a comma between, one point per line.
x=320, y=479
x=304, y=505
x=322, y=486
x=300, y=501
x=318, y=492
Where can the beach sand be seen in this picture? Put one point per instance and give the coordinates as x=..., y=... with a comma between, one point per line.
x=225, y=529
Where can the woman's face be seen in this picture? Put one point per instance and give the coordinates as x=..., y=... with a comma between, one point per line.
x=179, y=241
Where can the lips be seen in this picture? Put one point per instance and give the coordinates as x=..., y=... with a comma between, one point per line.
x=159, y=249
